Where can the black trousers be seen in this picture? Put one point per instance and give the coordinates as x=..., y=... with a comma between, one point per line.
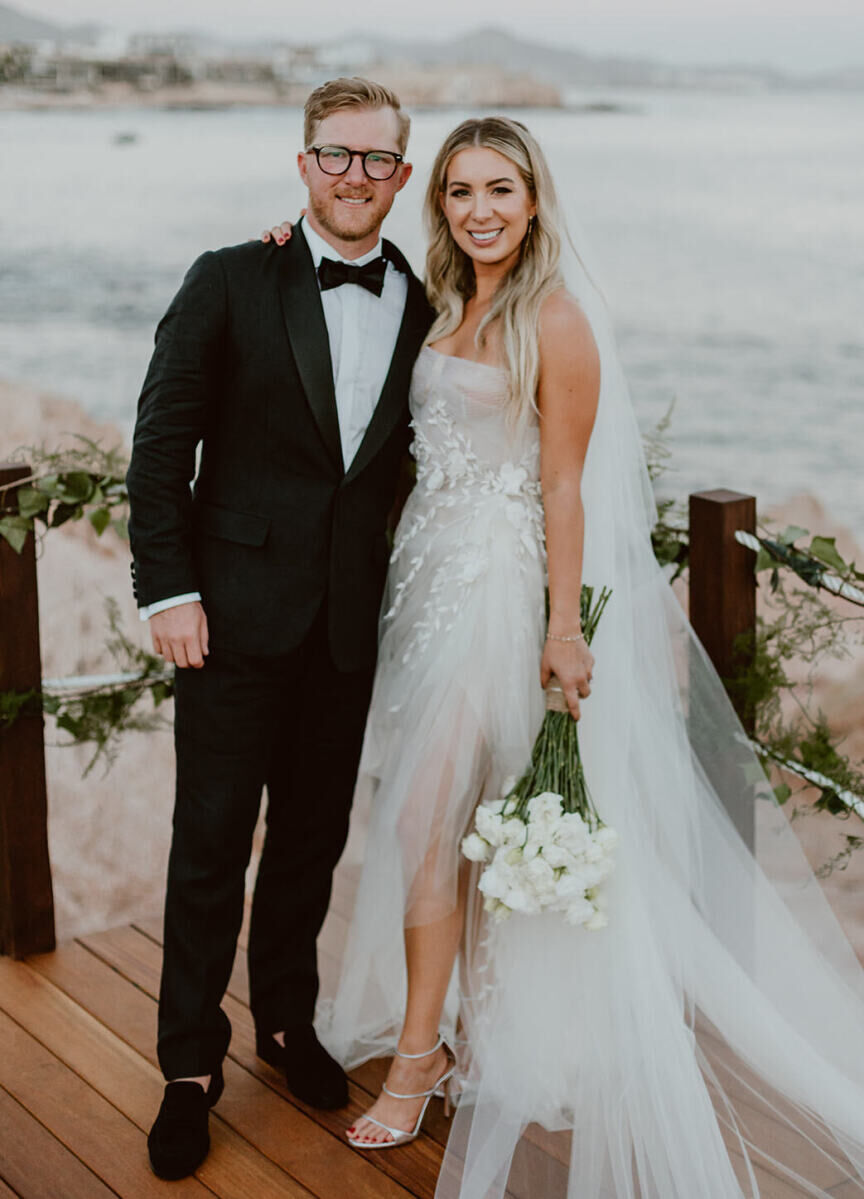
x=294, y=724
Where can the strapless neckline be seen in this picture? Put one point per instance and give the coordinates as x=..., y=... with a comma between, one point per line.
x=469, y=361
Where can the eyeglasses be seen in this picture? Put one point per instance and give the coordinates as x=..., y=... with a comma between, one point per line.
x=336, y=160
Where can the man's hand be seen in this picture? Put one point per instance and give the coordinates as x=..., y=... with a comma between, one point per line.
x=180, y=634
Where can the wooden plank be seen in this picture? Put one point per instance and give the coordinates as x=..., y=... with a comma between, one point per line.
x=36, y=1163
x=26, y=896
x=292, y=1135
x=233, y=1169
x=6, y=1192
x=79, y=1117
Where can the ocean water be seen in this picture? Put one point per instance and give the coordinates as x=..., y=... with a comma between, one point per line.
x=727, y=232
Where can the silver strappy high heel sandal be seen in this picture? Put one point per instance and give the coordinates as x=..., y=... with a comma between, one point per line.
x=440, y=1089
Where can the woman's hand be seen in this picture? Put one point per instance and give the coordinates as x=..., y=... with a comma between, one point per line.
x=280, y=233
x=572, y=663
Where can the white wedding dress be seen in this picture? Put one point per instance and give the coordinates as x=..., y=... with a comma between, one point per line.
x=709, y=1042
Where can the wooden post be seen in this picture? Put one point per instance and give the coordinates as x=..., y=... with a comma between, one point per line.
x=26, y=895
x=722, y=608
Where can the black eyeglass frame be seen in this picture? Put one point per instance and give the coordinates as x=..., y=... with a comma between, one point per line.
x=352, y=154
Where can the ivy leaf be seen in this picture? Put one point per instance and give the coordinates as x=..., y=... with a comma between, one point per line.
x=77, y=486
x=831, y=802
x=121, y=527
x=64, y=512
x=69, y=724
x=753, y=772
x=15, y=529
x=764, y=560
x=825, y=550
x=782, y=793
x=792, y=533
x=100, y=520
x=31, y=502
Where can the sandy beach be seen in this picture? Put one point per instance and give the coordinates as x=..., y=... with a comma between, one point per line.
x=109, y=832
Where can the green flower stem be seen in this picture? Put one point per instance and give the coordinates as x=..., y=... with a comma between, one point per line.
x=556, y=763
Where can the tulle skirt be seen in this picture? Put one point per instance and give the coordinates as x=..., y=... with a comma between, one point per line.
x=709, y=1042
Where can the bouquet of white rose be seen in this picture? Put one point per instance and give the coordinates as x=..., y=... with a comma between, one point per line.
x=546, y=847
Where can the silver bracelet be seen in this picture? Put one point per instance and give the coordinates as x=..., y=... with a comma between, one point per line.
x=553, y=637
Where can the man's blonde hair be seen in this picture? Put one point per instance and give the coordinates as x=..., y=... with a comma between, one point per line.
x=337, y=94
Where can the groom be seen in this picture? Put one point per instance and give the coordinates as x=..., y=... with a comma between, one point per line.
x=290, y=369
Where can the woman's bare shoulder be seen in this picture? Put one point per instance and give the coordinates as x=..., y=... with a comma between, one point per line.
x=565, y=331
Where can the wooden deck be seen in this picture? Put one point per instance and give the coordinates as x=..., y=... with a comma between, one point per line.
x=80, y=1087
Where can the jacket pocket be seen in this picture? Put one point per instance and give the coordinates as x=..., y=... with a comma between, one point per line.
x=243, y=527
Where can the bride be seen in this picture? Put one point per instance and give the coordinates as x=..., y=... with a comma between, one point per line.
x=709, y=1042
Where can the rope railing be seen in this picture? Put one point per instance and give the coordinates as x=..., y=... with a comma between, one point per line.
x=96, y=682
x=855, y=803
x=817, y=576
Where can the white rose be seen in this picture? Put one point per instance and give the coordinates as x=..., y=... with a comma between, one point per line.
x=476, y=849
x=545, y=807
x=514, y=831
x=541, y=876
x=606, y=838
x=558, y=857
x=489, y=824
x=595, y=872
x=572, y=833
x=571, y=885
x=520, y=899
x=579, y=912
x=598, y=920
x=498, y=910
x=493, y=883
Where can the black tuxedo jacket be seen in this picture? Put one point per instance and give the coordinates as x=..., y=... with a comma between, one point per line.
x=242, y=366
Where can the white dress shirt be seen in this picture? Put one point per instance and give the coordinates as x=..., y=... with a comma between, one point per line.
x=362, y=329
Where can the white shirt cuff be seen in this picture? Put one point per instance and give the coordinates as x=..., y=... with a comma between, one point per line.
x=173, y=602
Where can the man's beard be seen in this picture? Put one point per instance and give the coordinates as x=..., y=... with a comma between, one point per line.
x=352, y=232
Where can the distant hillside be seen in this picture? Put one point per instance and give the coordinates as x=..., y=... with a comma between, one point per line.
x=560, y=65
x=18, y=27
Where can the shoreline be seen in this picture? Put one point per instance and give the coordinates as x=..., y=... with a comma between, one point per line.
x=423, y=91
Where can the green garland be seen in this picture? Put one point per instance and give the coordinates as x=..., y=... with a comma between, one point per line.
x=88, y=482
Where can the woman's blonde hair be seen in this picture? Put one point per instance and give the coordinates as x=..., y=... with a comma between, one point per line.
x=517, y=302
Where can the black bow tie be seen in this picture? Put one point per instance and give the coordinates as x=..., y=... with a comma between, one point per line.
x=370, y=276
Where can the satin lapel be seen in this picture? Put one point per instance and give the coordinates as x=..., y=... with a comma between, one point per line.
x=307, y=333
x=393, y=400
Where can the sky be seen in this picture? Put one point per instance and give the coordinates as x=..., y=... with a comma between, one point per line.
x=798, y=35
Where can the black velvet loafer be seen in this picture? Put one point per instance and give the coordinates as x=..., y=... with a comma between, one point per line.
x=180, y=1139
x=310, y=1072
